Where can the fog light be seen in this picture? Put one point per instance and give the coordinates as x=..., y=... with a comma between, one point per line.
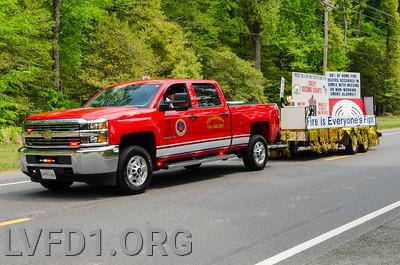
x=102, y=139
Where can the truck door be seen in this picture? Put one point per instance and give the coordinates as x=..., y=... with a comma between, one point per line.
x=212, y=117
x=178, y=127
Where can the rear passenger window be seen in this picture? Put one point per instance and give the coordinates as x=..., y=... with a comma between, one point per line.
x=207, y=95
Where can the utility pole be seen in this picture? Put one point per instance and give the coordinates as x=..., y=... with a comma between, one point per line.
x=326, y=4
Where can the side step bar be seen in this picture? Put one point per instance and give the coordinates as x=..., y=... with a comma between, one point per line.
x=198, y=161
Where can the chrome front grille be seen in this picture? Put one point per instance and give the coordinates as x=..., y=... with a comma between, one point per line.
x=54, y=141
x=53, y=128
x=52, y=133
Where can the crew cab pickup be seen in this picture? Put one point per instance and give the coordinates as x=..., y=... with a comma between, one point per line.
x=129, y=130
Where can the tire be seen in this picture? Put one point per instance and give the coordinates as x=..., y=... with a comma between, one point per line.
x=56, y=185
x=363, y=147
x=135, y=170
x=352, y=145
x=293, y=149
x=192, y=167
x=256, y=154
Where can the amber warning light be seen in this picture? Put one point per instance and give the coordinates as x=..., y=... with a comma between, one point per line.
x=73, y=144
x=48, y=160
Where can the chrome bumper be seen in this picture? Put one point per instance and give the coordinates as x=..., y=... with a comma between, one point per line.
x=84, y=161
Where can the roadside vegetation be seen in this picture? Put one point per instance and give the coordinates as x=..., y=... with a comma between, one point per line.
x=10, y=140
x=388, y=122
x=9, y=157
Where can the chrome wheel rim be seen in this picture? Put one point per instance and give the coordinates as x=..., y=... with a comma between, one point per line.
x=354, y=143
x=366, y=143
x=137, y=170
x=259, y=153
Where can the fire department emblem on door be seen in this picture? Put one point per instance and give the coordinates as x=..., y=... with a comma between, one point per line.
x=180, y=127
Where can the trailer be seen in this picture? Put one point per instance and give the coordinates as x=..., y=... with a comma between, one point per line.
x=326, y=114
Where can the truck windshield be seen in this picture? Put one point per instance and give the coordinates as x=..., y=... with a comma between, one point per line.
x=128, y=95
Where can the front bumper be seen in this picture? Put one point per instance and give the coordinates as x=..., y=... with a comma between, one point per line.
x=83, y=161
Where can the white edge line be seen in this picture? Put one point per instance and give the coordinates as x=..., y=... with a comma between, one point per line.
x=319, y=239
x=14, y=183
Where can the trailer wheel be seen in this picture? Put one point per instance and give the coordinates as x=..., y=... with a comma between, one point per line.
x=56, y=185
x=256, y=154
x=134, y=170
x=352, y=144
x=293, y=149
x=363, y=147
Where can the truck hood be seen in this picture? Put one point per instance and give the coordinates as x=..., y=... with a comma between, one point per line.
x=88, y=113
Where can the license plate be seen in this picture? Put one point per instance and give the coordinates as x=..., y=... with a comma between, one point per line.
x=47, y=174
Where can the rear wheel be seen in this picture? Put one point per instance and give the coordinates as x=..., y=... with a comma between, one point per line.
x=192, y=167
x=134, y=170
x=364, y=146
x=256, y=154
x=352, y=144
x=56, y=185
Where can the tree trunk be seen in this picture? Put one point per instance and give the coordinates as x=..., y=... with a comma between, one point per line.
x=387, y=40
x=346, y=25
x=359, y=18
x=256, y=43
x=56, y=45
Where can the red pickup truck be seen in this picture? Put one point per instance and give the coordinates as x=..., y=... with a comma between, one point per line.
x=129, y=130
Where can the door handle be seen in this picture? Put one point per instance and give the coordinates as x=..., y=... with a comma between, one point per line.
x=193, y=117
x=224, y=114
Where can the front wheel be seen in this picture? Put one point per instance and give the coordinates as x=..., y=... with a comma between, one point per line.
x=56, y=185
x=352, y=144
x=256, y=154
x=134, y=170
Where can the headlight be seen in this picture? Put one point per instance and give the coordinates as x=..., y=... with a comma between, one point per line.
x=94, y=125
x=94, y=133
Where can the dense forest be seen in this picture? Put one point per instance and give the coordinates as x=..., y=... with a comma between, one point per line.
x=53, y=53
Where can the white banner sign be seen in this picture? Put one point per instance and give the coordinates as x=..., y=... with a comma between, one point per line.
x=311, y=91
x=344, y=85
x=333, y=122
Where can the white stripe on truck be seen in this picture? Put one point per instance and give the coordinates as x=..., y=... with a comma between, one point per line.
x=201, y=145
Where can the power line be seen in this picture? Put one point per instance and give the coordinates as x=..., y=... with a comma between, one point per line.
x=379, y=10
x=377, y=20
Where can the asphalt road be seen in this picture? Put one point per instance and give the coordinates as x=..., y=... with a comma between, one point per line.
x=234, y=216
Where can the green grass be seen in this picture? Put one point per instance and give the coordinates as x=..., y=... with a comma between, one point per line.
x=388, y=122
x=8, y=157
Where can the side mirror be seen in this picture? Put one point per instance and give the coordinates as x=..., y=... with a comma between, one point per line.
x=180, y=102
x=84, y=101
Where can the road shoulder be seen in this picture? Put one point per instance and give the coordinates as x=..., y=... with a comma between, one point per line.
x=379, y=246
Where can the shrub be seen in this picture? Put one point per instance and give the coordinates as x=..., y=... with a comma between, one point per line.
x=11, y=135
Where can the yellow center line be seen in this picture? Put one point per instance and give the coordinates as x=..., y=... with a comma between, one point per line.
x=16, y=221
x=340, y=157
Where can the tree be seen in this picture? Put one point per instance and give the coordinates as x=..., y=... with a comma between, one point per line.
x=25, y=60
x=56, y=44
x=238, y=79
x=135, y=40
x=260, y=16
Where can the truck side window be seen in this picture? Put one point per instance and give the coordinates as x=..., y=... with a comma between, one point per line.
x=207, y=95
x=169, y=94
